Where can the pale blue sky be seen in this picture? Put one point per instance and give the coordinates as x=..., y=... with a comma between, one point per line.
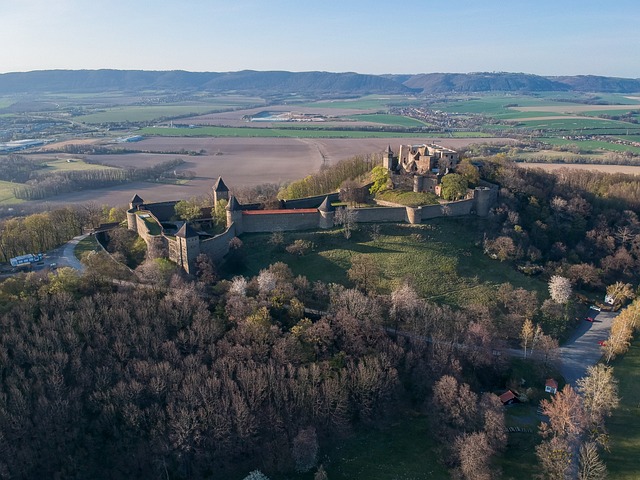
x=560, y=37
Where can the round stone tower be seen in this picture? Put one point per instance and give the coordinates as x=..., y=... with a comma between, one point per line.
x=327, y=214
x=234, y=215
x=483, y=199
x=134, y=205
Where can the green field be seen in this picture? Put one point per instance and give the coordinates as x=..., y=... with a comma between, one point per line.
x=6, y=193
x=576, y=124
x=443, y=259
x=62, y=165
x=592, y=145
x=370, y=102
x=146, y=113
x=266, y=132
x=623, y=461
x=385, y=119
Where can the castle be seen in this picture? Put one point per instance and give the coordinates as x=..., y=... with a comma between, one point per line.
x=183, y=241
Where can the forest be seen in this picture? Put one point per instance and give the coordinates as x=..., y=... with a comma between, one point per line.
x=218, y=375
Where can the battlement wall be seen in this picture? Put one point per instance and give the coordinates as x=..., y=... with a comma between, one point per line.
x=218, y=246
x=309, y=202
x=381, y=214
x=280, y=220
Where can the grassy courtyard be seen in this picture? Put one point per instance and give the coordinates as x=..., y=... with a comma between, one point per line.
x=443, y=259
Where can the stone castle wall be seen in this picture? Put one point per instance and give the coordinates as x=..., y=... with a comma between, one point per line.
x=253, y=222
x=267, y=221
x=381, y=214
x=218, y=246
x=309, y=202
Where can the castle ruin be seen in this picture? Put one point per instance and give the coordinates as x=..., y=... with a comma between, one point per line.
x=182, y=241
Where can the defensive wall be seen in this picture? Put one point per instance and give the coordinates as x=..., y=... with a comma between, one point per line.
x=187, y=243
x=309, y=202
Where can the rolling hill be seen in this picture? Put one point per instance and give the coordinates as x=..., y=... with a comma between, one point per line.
x=303, y=83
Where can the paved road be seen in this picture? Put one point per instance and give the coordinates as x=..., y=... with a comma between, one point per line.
x=582, y=349
x=64, y=256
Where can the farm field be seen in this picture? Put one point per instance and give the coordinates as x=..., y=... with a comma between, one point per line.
x=551, y=167
x=144, y=113
x=443, y=259
x=68, y=165
x=291, y=132
x=623, y=460
x=389, y=120
x=240, y=161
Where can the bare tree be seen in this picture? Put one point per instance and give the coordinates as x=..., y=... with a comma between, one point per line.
x=363, y=272
x=599, y=390
x=555, y=458
x=474, y=454
x=527, y=335
x=566, y=414
x=347, y=218
x=591, y=466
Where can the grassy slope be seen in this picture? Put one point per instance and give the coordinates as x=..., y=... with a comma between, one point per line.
x=623, y=461
x=6, y=193
x=404, y=450
x=443, y=259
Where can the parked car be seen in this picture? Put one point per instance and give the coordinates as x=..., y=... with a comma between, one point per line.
x=596, y=308
x=602, y=343
x=589, y=319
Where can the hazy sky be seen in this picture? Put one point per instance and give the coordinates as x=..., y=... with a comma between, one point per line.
x=559, y=37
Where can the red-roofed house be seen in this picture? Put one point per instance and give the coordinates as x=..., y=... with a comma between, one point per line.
x=551, y=386
x=507, y=398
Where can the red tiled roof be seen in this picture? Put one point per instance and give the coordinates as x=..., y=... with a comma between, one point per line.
x=551, y=383
x=506, y=396
x=277, y=212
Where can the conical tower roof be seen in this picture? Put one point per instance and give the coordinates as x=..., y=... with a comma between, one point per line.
x=220, y=186
x=137, y=200
x=186, y=231
x=326, y=206
x=233, y=204
x=388, y=150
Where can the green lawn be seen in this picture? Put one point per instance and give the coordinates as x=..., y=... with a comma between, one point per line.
x=87, y=244
x=623, y=461
x=443, y=259
x=405, y=450
x=518, y=462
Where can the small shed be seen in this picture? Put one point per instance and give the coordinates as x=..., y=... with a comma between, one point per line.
x=508, y=397
x=551, y=386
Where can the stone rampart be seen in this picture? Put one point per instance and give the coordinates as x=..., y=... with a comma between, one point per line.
x=218, y=246
x=309, y=202
x=280, y=220
x=381, y=214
